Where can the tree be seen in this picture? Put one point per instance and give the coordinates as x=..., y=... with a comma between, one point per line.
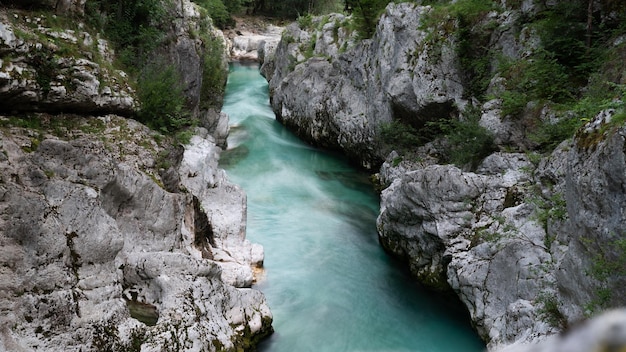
x=366, y=13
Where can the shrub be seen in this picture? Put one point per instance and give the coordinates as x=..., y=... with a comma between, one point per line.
x=131, y=25
x=214, y=75
x=468, y=142
x=218, y=11
x=538, y=78
x=366, y=14
x=399, y=135
x=608, y=265
x=162, y=99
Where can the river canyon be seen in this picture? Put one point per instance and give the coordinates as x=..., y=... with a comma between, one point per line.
x=329, y=284
x=127, y=227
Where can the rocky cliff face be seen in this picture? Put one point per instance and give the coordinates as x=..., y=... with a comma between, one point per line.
x=531, y=244
x=98, y=255
x=191, y=40
x=57, y=69
x=335, y=92
x=112, y=238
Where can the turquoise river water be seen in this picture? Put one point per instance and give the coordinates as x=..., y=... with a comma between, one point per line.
x=329, y=284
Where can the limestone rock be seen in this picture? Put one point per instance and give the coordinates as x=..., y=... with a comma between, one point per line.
x=251, y=46
x=97, y=256
x=604, y=333
x=34, y=77
x=196, y=49
x=340, y=95
x=474, y=234
x=226, y=209
x=528, y=249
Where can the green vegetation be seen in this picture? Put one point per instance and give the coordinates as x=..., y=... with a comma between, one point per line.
x=550, y=312
x=551, y=209
x=464, y=21
x=400, y=136
x=538, y=78
x=162, y=99
x=132, y=25
x=133, y=28
x=292, y=9
x=220, y=11
x=575, y=70
x=137, y=29
x=214, y=74
x=366, y=14
x=608, y=264
x=468, y=143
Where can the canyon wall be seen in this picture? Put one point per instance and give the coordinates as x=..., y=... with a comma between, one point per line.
x=114, y=236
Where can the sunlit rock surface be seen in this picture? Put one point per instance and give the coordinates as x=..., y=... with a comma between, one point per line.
x=604, y=333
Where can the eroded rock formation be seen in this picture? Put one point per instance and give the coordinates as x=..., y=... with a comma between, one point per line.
x=335, y=91
x=113, y=238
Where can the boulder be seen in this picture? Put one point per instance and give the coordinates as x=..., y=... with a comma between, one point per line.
x=606, y=332
x=475, y=235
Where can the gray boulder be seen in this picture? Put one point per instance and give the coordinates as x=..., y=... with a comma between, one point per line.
x=474, y=234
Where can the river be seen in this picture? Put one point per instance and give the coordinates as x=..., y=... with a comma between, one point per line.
x=329, y=284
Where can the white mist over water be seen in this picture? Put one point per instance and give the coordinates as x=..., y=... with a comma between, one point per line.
x=329, y=284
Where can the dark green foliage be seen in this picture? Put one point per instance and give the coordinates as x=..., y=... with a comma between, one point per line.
x=608, y=265
x=538, y=78
x=219, y=12
x=47, y=69
x=400, y=136
x=468, y=142
x=132, y=25
x=366, y=14
x=214, y=75
x=549, y=135
x=162, y=99
x=550, y=312
x=292, y=9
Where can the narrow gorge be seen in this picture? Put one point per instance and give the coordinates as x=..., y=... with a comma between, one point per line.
x=410, y=176
x=329, y=284
x=491, y=190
